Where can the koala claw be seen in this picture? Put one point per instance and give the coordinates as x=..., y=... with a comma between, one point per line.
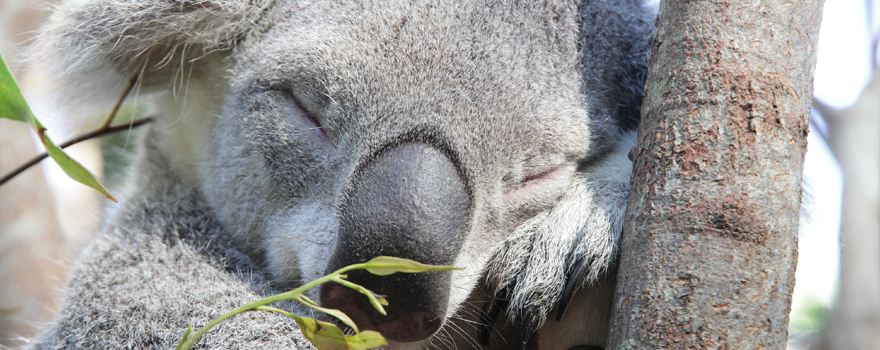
x=573, y=282
x=490, y=315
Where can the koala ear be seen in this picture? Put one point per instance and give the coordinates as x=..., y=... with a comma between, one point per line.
x=90, y=49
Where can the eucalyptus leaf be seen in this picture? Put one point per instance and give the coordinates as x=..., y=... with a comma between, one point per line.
x=338, y=314
x=12, y=103
x=323, y=335
x=376, y=300
x=71, y=167
x=386, y=265
x=365, y=340
x=13, y=106
x=326, y=336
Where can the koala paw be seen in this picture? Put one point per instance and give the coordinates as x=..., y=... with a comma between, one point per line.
x=544, y=262
x=548, y=258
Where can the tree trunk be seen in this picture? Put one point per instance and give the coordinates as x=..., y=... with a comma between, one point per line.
x=710, y=245
x=855, y=140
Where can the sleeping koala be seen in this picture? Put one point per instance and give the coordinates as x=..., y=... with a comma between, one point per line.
x=296, y=137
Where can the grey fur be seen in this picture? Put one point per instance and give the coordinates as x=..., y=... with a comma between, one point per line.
x=163, y=263
x=234, y=192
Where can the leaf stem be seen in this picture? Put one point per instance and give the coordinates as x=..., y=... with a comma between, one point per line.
x=277, y=311
x=371, y=296
x=380, y=266
x=261, y=304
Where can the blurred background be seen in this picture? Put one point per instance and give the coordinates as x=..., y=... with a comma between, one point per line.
x=46, y=219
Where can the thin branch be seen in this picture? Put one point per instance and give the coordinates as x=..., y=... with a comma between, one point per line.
x=101, y=131
x=78, y=139
x=109, y=120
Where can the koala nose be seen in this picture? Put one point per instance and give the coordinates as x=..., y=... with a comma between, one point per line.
x=408, y=202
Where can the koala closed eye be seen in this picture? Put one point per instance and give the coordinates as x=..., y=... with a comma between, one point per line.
x=304, y=119
x=543, y=174
x=539, y=189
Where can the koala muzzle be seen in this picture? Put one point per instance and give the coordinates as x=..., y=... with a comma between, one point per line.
x=409, y=201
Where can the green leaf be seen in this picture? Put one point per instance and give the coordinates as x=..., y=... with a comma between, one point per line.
x=12, y=103
x=365, y=340
x=189, y=329
x=71, y=167
x=386, y=265
x=376, y=300
x=13, y=106
x=326, y=336
x=338, y=314
x=323, y=335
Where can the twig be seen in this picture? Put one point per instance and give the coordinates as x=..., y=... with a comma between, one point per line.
x=109, y=120
x=101, y=131
x=78, y=139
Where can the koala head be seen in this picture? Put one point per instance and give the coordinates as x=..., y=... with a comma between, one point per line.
x=323, y=134
x=422, y=131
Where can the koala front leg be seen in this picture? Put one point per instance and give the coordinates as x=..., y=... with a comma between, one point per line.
x=137, y=290
x=548, y=259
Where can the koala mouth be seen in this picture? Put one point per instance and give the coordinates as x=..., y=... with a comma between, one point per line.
x=402, y=324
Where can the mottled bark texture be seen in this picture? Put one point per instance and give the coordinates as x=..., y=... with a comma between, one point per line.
x=709, y=249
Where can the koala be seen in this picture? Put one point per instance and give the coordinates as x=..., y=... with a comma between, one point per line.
x=296, y=137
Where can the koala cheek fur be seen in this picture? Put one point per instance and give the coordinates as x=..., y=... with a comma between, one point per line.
x=298, y=242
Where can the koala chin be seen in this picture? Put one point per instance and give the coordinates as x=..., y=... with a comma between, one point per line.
x=293, y=138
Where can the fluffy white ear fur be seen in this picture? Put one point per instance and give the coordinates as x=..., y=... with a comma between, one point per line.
x=154, y=42
x=89, y=50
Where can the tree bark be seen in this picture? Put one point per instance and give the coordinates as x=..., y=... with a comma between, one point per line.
x=710, y=244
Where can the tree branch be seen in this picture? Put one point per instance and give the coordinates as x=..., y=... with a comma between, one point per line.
x=109, y=120
x=104, y=129
x=78, y=139
x=708, y=252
